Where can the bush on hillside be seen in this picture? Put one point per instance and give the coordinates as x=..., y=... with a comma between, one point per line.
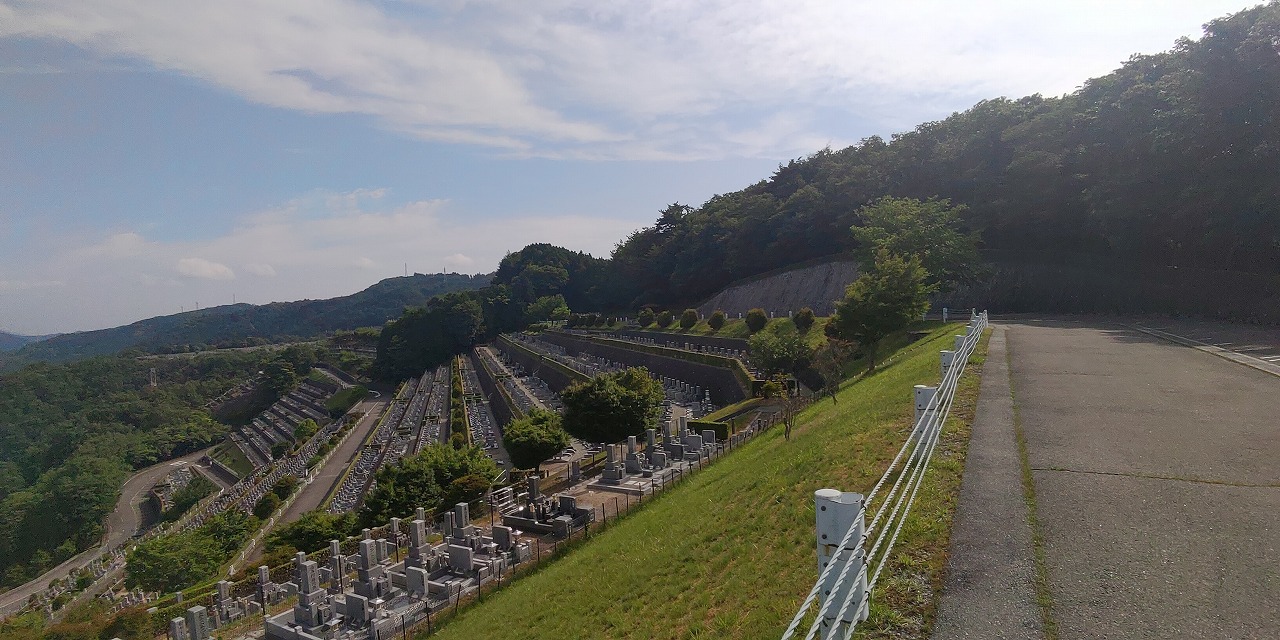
x=645, y=318
x=689, y=318
x=716, y=321
x=756, y=319
x=665, y=319
x=803, y=319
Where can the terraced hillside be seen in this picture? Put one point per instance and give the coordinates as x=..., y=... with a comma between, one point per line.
x=730, y=554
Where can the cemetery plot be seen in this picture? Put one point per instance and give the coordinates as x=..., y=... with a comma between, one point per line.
x=434, y=428
x=484, y=429
x=276, y=425
x=359, y=478
x=397, y=579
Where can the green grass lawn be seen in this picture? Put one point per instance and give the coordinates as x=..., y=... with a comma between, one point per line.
x=231, y=455
x=730, y=553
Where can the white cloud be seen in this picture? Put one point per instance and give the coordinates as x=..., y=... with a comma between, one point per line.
x=458, y=261
x=204, y=269
x=658, y=80
x=319, y=245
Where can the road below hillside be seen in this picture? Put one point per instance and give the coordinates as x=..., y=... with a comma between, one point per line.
x=1155, y=480
x=123, y=523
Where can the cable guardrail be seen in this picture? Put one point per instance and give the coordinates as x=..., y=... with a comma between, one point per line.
x=845, y=581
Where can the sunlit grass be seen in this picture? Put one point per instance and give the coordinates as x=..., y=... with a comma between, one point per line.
x=730, y=553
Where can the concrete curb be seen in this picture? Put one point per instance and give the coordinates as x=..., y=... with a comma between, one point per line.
x=1233, y=356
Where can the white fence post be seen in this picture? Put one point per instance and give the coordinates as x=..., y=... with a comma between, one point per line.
x=923, y=395
x=837, y=512
x=947, y=357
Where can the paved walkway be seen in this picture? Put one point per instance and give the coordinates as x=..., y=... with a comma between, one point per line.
x=1156, y=480
x=989, y=590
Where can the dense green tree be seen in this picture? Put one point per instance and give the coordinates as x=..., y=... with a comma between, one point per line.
x=645, y=317
x=688, y=318
x=189, y=495
x=756, y=320
x=803, y=319
x=427, y=337
x=285, y=486
x=173, y=562
x=312, y=531
x=266, y=505
x=716, y=321
x=665, y=318
x=884, y=299
x=779, y=353
x=547, y=308
x=929, y=230
x=532, y=440
x=612, y=406
x=424, y=480
x=305, y=430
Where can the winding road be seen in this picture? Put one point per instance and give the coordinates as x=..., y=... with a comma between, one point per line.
x=123, y=523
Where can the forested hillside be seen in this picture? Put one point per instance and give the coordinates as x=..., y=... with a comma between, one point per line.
x=11, y=341
x=1155, y=188
x=1166, y=170
x=245, y=324
x=71, y=433
x=538, y=282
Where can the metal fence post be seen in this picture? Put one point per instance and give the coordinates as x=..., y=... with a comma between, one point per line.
x=838, y=512
x=923, y=395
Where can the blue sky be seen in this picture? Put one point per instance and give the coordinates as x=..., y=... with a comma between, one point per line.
x=158, y=155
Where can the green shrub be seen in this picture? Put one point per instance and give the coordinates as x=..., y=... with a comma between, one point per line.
x=665, y=319
x=266, y=506
x=645, y=318
x=716, y=321
x=803, y=319
x=688, y=318
x=756, y=319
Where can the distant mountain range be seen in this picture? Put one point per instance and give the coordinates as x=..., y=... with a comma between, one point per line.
x=234, y=325
x=13, y=341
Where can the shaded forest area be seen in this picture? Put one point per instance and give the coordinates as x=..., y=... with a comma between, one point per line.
x=1153, y=189
x=1156, y=182
x=71, y=433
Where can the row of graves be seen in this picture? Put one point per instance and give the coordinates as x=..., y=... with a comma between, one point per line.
x=277, y=423
x=374, y=591
x=377, y=591
x=629, y=469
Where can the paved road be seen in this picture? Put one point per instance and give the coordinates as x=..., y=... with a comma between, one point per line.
x=122, y=524
x=1156, y=480
x=327, y=476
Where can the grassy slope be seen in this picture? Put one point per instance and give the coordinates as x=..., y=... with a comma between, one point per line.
x=730, y=554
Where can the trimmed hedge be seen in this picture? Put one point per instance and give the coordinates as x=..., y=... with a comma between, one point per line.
x=721, y=428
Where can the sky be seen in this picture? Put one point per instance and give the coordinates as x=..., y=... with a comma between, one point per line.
x=159, y=155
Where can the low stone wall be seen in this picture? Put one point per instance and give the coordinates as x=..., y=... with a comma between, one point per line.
x=668, y=339
x=722, y=384
x=534, y=364
x=502, y=413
